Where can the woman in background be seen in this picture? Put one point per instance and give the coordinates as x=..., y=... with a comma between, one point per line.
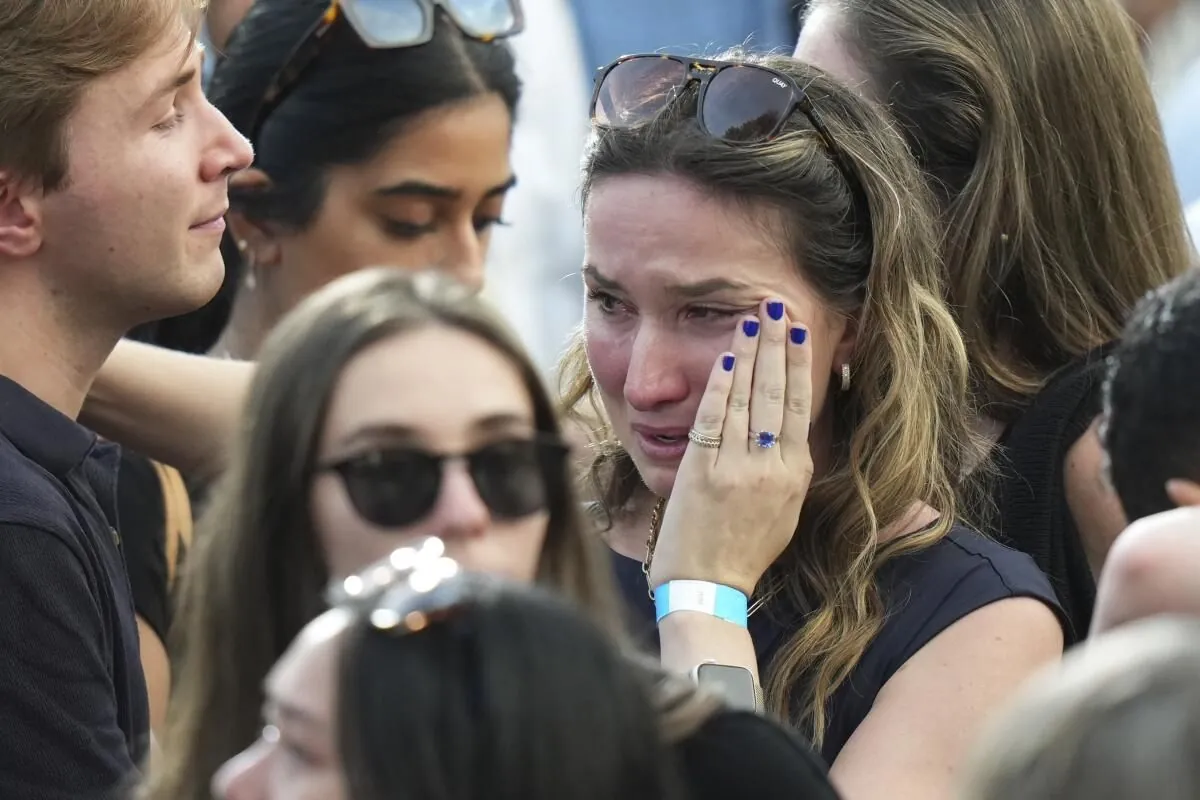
x=1035, y=126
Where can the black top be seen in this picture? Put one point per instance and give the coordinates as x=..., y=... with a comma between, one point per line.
x=924, y=592
x=1031, y=494
x=72, y=694
x=736, y=754
x=154, y=540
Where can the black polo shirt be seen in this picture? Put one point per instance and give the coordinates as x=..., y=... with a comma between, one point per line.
x=74, y=716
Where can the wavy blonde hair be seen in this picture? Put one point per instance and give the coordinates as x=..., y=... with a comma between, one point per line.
x=860, y=227
x=1035, y=124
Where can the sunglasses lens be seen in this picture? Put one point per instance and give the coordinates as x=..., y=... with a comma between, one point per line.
x=635, y=91
x=745, y=104
x=484, y=18
x=395, y=490
x=514, y=478
x=390, y=23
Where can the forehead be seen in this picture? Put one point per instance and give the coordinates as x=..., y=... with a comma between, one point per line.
x=304, y=676
x=438, y=380
x=464, y=145
x=639, y=226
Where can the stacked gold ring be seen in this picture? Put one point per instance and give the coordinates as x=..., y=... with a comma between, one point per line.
x=703, y=439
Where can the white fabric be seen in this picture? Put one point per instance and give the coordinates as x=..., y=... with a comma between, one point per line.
x=533, y=266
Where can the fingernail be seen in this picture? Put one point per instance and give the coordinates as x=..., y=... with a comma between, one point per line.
x=799, y=335
x=750, y=327
x=775, y=309
x=727, y=363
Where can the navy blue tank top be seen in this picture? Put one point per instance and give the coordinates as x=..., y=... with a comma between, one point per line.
x=925, y=593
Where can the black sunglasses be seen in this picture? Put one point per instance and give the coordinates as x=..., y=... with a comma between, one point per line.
x=385, y=24
x=398, y=486
x=738, y=103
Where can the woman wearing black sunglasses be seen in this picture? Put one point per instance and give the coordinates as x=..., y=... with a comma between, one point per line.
x=786, y=416
x=387, y=410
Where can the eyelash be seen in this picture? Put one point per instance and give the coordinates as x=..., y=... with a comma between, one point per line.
x=703, y=313
x=170, y=122
x=407, y=230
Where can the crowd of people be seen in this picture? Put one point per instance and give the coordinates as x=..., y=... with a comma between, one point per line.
x=870, y=467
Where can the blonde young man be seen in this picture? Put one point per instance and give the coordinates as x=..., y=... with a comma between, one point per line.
x=113, y=180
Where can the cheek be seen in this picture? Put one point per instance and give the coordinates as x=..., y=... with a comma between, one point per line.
x=347, y=542
x=608, y=355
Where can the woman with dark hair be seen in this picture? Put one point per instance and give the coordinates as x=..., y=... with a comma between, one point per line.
x=468, y=689
x=387, y=410
x=378, y=141
x=1035, y=126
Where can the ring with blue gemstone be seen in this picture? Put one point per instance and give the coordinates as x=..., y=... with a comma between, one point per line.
x=764, y=439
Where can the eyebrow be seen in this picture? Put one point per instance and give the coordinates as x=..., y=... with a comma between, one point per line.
x=425, y=189
x=180, y=80
x=689, y=291
x=503, y=422
x=286, y=712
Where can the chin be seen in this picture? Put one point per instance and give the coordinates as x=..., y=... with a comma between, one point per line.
x=658, y=478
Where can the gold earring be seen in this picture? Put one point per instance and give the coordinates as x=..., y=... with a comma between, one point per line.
x=845, y=377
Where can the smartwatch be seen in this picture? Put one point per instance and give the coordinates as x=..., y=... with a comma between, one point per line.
x=736, y=685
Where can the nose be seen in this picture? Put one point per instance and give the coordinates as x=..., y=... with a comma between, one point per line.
x=655, y=375
x=463, y=255
x=460, y=512
x=243, y=777
x=226, y=150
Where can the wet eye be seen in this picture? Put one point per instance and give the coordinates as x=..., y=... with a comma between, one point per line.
x=710, y=313
x=607, y=303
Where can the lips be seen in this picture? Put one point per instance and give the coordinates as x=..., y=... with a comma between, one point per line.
x=215, y=221
x=661, y=444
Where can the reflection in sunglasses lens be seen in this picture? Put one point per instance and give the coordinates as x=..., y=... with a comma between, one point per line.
x=745, y=104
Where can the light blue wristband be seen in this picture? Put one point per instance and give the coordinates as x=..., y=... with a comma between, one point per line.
x=723, y=602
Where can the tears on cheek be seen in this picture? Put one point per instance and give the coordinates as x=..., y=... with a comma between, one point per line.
x=608, y=357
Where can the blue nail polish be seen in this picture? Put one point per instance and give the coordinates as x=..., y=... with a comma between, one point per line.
x=799, y=335
x=727, y=363
x=750, y=327
x=775, y=310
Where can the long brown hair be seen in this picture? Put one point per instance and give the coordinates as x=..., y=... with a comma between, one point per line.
x=257, y=572
x=1035, y=124
x=861, y=229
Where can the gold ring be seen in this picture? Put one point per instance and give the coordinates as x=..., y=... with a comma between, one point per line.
x=703, y=439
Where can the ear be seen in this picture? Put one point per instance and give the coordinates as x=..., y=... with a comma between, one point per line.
x=843, y=351
x=1184, y=493
x=20, y=217
x=260, y=242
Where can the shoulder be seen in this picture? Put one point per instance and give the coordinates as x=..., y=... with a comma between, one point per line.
x=739, y=754
x=30, y=496
x=1063, y=409
x=928, y=591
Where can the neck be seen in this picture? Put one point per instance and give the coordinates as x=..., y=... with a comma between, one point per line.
x=50, y=351
x=247, y=328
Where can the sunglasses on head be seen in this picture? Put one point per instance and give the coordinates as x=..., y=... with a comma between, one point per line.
x=738, y=103
x=385, y=24
x=410, y=589
x=397, y=486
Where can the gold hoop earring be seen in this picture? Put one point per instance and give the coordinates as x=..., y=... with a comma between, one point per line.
x=845, y=377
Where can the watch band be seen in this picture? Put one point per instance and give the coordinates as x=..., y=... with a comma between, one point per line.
x=723, y=602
